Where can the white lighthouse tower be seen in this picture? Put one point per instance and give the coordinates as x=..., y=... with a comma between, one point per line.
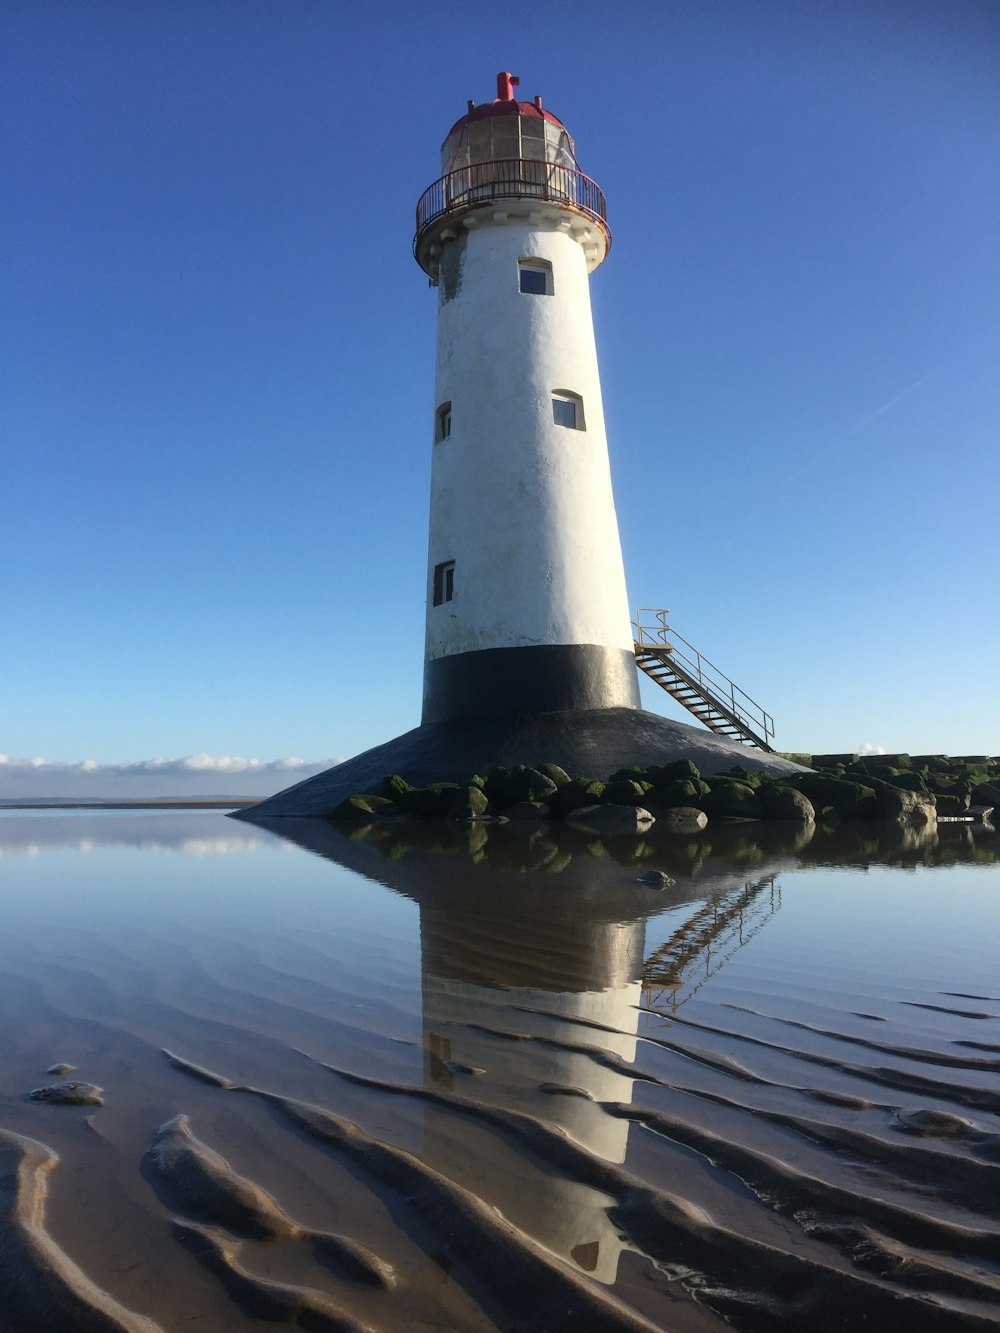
x=529, y=653
x=526, y=604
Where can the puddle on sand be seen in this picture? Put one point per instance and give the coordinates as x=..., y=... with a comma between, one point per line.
x=486, y=1079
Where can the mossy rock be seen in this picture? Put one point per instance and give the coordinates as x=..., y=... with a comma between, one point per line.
x=744, y=775
x=720, y=781
x=952, y=805
x=394, y=787
x=623, y=792
x=507, y=786
x=633, y=773
x=680, y=792
x=681, y=819
x=795, y=757
x=575, y=795
x=522, y=811
x=660, y=774
x=946, y=783
x=897, y=777
x=988, y=794
x=909, y=806
x=852, y=800
x=782, y=802
x=832, y=760
x=477, y=781
x=732, y=800
x=611, y=820
x=359, y=809
x=470, y=803
x=431, y=802
x=554, y=773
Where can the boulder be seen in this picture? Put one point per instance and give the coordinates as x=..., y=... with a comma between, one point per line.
x=682, y=819
x=732, y=800
x=682, y=791
x=433, y=802
x=660, y=774
x=896, y=777
x=508, y=786
x=611, y=820
x=782, y=802
x=745, y=776
x=576, y=794
x=528, y=810
x=623, y=792
x=852, y=800
x=656, y=879
x=634, y=773
x=470, y=803
x=394, y=788
x=952, y=805
x=361, y=809
x=554, y=773
x=906, y=806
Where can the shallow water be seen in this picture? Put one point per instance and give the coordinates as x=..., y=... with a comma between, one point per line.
x=489, y=1081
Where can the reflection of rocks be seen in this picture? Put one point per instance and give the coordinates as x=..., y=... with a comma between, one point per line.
x=588, y=859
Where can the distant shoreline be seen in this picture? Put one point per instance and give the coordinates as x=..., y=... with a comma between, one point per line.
x=129, y=805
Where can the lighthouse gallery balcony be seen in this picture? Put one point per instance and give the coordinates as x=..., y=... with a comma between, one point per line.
x=469, y=187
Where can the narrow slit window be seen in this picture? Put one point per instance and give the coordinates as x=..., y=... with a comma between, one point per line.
x=442, y=423
x=535, y=276
x=567, y=410
x=444, y=582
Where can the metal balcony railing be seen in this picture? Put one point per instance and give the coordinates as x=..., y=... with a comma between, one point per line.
x=509, y=178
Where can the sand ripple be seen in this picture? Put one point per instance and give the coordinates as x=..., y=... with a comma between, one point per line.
x=44, y=1291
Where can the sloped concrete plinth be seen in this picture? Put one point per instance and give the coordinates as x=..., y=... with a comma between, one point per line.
x=592, y=743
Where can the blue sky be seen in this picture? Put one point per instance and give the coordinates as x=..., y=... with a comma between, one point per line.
x=217, y=357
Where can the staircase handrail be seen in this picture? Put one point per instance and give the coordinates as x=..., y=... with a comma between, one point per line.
x=721, y=688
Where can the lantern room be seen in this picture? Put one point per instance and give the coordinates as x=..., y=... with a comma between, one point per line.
x=504, y=130
x=509, y=151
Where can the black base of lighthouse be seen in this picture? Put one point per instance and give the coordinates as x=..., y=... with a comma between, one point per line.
x=509, y=682
x=590, y=742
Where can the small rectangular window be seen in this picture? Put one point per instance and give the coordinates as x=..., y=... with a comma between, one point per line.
x=444, y=582
x=442, y=422
x=535, y=277
x=567, y=410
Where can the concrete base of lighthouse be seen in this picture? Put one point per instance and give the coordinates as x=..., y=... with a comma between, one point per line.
x=593, y=742
x=548, y=678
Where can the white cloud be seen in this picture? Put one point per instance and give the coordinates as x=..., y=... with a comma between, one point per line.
x=192, y=775
x=867, y=748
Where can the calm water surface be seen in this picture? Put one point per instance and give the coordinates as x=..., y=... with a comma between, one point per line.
x=490, y=1081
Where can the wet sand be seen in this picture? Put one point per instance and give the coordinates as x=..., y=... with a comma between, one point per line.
x=371, y=1084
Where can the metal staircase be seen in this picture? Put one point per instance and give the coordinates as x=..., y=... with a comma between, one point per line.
x=697, y=683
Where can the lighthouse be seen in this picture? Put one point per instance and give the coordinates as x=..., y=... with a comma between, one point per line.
x=529, y=651
x=527, y=610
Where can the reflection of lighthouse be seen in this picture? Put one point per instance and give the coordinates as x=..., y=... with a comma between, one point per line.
x=527, y=610
x=532, y=950
x=542, y=964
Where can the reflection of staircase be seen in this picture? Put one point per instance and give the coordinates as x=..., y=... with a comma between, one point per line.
x=697, y=683
x=705, y=941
